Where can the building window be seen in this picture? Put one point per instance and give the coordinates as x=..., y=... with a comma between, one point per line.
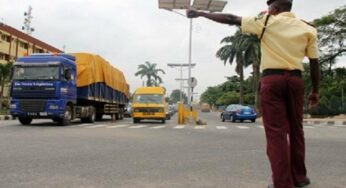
x=5, y=57
x=37, y=50
x=5, y=38
x=23, y=45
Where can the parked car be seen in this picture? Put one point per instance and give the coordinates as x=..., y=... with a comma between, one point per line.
x=128, y=110
x=171, y=110
x=235, y=112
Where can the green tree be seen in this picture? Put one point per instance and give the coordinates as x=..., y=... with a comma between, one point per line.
x=331, y=34
x=234, y=50
x=150, y=71
x=5, y=74
x=175, y=96
x=332, y=90
x=228, y=98
x=232, y=84
x=211, y=95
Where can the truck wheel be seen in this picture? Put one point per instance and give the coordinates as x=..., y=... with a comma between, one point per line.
x=99, y=116
x=56, y=119
x=25, y=120
x=163, y=121
x=66, y=120
x=91, y=118
x=135, y=120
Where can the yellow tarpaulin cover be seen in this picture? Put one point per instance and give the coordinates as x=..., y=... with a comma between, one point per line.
x=92, y=68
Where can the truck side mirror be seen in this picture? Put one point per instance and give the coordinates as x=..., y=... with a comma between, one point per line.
x=68, y=74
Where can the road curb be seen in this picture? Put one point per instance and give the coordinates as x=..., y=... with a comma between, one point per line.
x=325, y=122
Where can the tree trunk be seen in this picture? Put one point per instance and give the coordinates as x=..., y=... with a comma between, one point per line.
x=256, y=78
x=241, y=85
x=2, y=92
x=149, y=81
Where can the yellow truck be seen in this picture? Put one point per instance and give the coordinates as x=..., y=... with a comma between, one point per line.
x=149, y=103
x=205, y=107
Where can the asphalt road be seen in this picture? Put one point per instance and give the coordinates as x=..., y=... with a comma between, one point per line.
x=122, y=154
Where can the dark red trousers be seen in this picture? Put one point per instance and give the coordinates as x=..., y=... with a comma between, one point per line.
x=282, y=98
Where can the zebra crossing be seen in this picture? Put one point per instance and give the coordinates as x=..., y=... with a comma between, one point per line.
x=127, y=125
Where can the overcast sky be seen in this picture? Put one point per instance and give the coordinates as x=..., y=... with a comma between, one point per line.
x=129, y=32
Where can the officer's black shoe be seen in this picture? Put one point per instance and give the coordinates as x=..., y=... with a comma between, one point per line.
x=303, y=183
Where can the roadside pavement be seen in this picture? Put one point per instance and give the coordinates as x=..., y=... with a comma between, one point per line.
x=6, y=117
x=337, y=120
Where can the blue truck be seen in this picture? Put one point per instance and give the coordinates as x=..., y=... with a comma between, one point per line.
x=64, y=87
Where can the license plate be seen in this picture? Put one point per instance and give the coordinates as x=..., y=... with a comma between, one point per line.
x=32, y=114
x=149, y=113
x=247, y=113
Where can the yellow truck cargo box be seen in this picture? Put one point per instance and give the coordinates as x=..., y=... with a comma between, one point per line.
x=92, y=69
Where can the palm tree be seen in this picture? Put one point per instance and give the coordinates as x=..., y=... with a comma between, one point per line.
x=5, y=74
x=252, y=56
x=247, y=51
x=151, y=72
x=234, y=49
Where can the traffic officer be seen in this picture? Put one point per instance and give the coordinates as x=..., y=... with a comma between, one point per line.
x=285, y=41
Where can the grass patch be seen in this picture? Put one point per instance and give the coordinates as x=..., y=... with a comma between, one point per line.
x=4, y=112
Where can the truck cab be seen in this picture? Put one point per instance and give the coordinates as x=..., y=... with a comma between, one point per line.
x=149, y=103
x=42, y=87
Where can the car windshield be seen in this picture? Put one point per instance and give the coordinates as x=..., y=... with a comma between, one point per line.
x=233, y=107
x=148, y=98
x=36, y=73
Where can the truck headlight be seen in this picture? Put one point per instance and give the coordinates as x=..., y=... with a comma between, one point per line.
x=53, y=107
x=13, y=106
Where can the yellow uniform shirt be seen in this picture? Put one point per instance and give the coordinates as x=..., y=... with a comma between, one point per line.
x=286, y=41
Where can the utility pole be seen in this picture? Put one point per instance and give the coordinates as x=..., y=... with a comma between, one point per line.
x=27, y=22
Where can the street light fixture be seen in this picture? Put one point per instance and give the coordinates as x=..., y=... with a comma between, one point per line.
x=204, y=5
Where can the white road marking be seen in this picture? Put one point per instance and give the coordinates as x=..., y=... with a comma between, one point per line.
x=309, y=127
x=116, y=126
x=84, y=125
x=179, y=127
x=137, y=126
x=242, y=127
x=221, y=127
x=158, y=127
x=199, y=127
x=96, y=126
x=260, y=126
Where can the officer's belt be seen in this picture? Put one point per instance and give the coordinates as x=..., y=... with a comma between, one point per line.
x=268, y=72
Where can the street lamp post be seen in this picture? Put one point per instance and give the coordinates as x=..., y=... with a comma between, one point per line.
x=205, y=5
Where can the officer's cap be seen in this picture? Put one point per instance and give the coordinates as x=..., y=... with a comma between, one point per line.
x=272, y=1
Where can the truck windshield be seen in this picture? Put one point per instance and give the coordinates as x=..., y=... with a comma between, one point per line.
x=148, y=98
x=36, y=73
